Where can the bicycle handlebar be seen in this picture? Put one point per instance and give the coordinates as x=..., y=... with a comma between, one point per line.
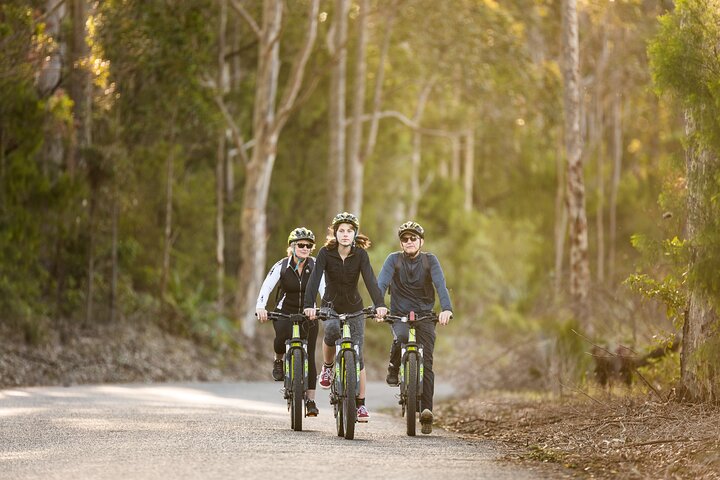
x=405, y=319
x=325, y=313
x=274, y=316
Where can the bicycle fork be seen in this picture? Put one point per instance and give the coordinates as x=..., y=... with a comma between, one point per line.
x=411, y=348
x=295, y=342
x=342, y=345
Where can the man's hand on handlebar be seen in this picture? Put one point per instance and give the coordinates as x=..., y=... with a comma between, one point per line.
x=310, y=313
x=262, y=315
x=380, y=313
x=444, y=317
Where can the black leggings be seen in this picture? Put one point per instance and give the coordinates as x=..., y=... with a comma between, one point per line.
x=309, y=331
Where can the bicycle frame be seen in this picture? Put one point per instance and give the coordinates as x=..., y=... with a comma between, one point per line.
x=295, y=351
x=345, y=343
x=344, y=388
x=293, y=343
x=411, y=348
x=411, y=382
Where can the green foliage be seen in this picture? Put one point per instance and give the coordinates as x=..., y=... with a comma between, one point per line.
x=191, y=314
x=685, y=65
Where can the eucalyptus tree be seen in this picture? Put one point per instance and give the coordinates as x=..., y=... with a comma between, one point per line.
x=579, y=262
x=337, y=45
x=685, y=66
x=267, y=124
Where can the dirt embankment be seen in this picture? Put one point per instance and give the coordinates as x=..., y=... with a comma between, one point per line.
x=607, y=437
x=120, y=354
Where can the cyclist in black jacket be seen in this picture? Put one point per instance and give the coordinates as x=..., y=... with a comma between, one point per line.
x=413, y=277
x=292, y=274
x=342, y=260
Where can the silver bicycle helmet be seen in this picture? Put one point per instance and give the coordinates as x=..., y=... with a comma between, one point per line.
x=301, y=233
x=345, y=217
x=411, y=227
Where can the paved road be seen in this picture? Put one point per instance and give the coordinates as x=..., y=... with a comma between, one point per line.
x=219, y=431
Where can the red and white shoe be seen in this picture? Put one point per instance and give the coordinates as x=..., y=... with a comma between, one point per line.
x=362, y=414
x=325, y=377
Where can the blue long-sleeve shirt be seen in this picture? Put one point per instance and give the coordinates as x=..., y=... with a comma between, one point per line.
x=408, y=290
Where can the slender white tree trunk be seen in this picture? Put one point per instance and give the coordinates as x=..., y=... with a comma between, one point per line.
x=469, y=169
x=416, y=155
x=579, y=266
x=355, y=160
x=167, y=238
x=338, y=79
x=253, y=219
x=267, y=125
x=220, y=178
x=561, y=219
x=615, y=183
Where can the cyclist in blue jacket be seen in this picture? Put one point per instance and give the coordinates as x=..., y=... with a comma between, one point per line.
x=413, y=277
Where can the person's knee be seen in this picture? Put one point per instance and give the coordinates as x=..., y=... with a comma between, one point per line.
x=332, y=333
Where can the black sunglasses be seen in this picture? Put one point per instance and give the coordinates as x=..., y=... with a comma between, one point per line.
x=408, y=238
x=304, y=245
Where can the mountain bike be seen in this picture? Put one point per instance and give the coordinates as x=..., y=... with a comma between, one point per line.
x=295, y=368
x=411, y=369
x=346, y=372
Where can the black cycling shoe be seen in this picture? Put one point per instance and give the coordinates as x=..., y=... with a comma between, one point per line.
x=278, y=373
x=392, y=376
x=311, y=409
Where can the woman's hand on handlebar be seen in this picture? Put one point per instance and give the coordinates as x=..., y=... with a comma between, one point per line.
x=380, y=313
x=310, y=313
x=444, y=317
x=262, y=315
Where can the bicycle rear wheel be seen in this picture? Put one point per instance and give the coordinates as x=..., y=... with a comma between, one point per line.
x=296, y=410
x=349, y=405
x=411, y=378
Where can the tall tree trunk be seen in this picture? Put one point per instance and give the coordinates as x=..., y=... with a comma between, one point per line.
x=114, y=251
x=219, y=221
x=167, y=237
x=355, y=160
x=267, y=125
x=469, y=169
x=80, y=85
x=253, y=220
x=579, y=266
x=455, y=164
x=53, y=147
x=336, y=160
x=597, y=135
x=220, y=179
x=700, y=374
x=561, y=219
x=416, y=155
x=379, y=78
x=615, y=183
x=91, y=257
x=598, y=146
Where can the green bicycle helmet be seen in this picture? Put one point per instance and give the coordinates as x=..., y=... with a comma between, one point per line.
x=345, y=217
x=412, y=227
x=301, y=233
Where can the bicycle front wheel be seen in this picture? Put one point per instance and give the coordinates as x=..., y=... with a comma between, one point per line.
x=411, y=377
x=349, y=415
x=296, y=410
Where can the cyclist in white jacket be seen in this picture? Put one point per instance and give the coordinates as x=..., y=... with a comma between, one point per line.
x=292, y=274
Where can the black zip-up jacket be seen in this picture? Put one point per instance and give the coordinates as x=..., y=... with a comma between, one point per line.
x=341, y=280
